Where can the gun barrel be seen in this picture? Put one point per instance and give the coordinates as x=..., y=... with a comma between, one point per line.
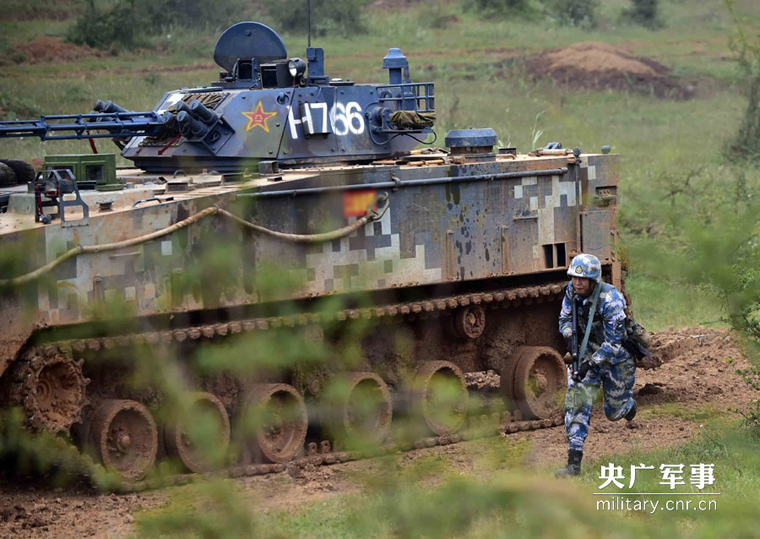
x=574, y=339
x=89, y=125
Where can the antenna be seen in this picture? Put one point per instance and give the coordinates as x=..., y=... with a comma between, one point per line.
x=308, y=4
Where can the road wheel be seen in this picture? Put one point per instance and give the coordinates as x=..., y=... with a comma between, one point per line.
x=124, y=436
x=273, y=423
x=357, y=407
x=439, y=395
x=211, y=426
x=540, y=382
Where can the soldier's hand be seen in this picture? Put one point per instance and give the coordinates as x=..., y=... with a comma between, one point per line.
x=582, y=371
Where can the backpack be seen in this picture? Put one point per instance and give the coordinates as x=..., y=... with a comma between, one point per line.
x=637, y=339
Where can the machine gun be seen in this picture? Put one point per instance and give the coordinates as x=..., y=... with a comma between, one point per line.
x=193, y=121
x=96, y=124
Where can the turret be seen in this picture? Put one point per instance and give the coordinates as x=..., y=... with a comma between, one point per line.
x=266, y=106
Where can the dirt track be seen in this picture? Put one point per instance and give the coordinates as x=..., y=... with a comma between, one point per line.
x=695, y=376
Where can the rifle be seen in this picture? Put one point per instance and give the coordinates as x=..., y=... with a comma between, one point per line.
x=578, y=354
x=574, y=337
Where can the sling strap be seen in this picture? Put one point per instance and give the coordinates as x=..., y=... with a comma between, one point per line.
x=597, y=293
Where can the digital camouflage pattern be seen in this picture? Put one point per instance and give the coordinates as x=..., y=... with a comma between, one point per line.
x=617, y=382
x=605, y=345
x=587, y=266
x=613, y=367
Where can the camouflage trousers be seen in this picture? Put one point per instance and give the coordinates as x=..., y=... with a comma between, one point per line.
x=617, y=385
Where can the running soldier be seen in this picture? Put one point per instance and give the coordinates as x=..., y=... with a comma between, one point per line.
x=604, y=361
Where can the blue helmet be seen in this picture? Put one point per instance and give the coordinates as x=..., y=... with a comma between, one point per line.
x=587, y=266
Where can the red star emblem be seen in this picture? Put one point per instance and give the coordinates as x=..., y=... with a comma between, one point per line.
x=258, y=118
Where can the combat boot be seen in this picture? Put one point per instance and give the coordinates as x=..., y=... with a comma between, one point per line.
x=632, y=412
x=573, y=464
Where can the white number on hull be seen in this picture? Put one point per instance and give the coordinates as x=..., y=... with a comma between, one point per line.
x=344, y=119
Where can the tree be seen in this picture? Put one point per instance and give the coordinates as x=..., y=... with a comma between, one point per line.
x=643, y=12
x=746, y=49
x=342, y=17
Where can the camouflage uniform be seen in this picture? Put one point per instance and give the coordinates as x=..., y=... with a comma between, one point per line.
x=613, y=367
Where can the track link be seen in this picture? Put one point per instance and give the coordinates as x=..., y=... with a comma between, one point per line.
x=511, y=297
x=337, y=457
x=485, y=426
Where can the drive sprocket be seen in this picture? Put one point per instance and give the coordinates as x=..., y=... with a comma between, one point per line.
x=51, y=389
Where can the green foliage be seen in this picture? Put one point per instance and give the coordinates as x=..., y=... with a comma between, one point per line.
x=580, y=13
x=328, y=17
x=44, y=454
x=119, y=25
x=13, y=107
x=26, y=10
x=439, y=14
x=746, y=48
x=751, y=413
x=709, y=238
x=129, y=23
x=209, y=510
x=643, y=12
x=503, y=8
x=430, y=499
x=660, y=302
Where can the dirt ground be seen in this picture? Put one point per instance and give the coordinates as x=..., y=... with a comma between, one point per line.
x=695, y=375
x=48, y=49
x=595, y=66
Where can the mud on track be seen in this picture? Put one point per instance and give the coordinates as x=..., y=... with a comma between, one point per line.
x=695, y=376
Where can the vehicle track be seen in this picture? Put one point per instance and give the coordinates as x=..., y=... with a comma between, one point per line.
x=72, y=351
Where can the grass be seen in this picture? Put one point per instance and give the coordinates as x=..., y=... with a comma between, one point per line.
x=431, y=498
x=659, y=304
x=706, y=413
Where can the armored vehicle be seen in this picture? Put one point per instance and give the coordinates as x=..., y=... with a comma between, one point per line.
x=276, y=173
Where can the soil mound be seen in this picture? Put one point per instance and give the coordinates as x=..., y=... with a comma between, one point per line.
x=595, y=66
x=48, y=49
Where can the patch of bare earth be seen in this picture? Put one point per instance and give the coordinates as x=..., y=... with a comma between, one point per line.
x=694, y=373
x=598, y=66
x=47, y=49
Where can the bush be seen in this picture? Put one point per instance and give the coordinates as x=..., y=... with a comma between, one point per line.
x=581, y=13
x=341, y=17
x=746, y=143
x=503, y=8
x=117, y=26
x=751, y=413
x=192, y=13
x=643, y=12
x=129, y=23
x=439, y=14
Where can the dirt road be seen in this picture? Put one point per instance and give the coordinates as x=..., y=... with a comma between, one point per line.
x=695, y=381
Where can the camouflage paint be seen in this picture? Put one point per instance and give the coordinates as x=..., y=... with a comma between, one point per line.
x=429, y=235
